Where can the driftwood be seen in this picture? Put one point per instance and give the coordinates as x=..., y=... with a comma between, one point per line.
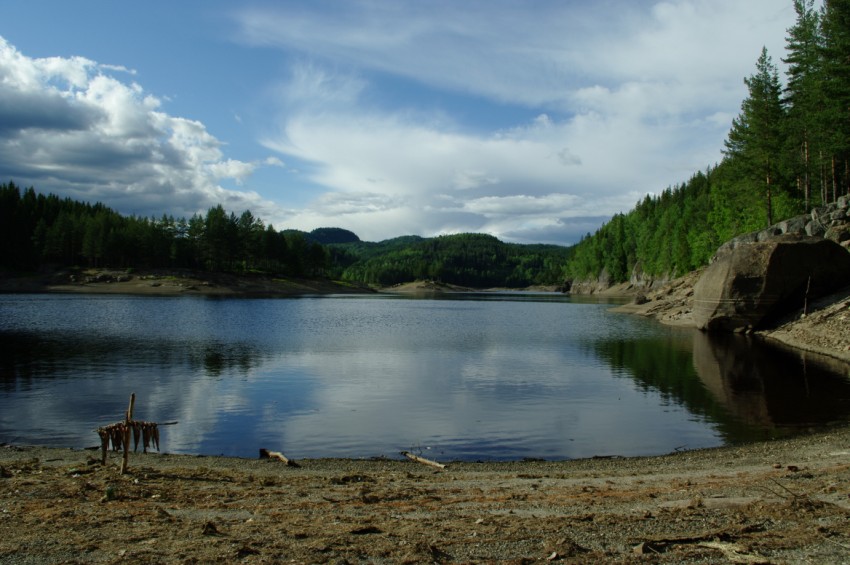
x=266, y=454
x=422, y=460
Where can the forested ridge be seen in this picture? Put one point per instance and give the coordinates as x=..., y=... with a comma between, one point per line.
x=787, y=151
x=44, y=230
x=39, y=229
x=475, y=260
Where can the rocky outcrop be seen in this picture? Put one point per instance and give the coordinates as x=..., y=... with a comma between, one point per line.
x=752, y=282
x=591, y=285
x=831, y=222
x=639, y=282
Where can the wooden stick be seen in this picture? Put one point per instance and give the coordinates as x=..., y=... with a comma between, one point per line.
x=125, y=461
x=104, y=444
x=266, y=454
x=422, y=460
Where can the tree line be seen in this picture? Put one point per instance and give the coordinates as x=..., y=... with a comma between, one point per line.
x=474, y=260
x=45, y=230
x=39, y=229
x=787, y=151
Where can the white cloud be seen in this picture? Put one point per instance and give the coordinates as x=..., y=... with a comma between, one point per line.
x=382, y=120
x=444, y=181
x=632, y=98
x=70, y=127
x=507, y=51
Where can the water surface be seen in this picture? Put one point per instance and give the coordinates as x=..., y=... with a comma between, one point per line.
x=469, y=377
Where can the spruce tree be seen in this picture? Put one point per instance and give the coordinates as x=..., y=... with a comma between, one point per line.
x=836, y=59
x=804, y=96
x=756, y=139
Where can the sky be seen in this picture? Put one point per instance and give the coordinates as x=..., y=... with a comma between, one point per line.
x=533, y=121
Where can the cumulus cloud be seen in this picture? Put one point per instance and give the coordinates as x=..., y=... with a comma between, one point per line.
x=443, y=179
x=424, y=117
x=69, y=126
x=628, y=101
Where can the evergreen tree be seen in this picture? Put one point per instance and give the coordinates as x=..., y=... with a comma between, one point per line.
x=756, y=139
x=804, y=96
x=836, y=55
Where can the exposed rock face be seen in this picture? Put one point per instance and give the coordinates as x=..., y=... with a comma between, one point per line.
x=752, y=282
x=831, y=221
x=591, y=286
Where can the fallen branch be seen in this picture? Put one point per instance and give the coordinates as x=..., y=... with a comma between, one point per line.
x=422, y=460
x=266, y=454
x=734, y=552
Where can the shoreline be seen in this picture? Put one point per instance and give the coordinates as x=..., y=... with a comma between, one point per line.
x=174, y=282
x=823, y=330
x=770, y=501
x=784, y=500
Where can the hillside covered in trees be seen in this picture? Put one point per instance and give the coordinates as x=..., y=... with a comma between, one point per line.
x=44, y=230
x=787, y=151
x=474, y=260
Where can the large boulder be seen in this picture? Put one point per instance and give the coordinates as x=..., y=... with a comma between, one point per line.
x=753, y=283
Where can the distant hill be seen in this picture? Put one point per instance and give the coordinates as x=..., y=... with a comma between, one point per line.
x=327, y=236
x=44, y=230
x=473, y=260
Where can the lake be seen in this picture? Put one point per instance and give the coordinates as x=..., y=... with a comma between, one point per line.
x=479, y=376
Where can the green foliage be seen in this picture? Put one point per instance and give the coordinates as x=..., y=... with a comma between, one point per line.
x=804, y=96
x=42, y=229
x=663, y=235
x=756, y=139
x=835, y=113
x=474, y=260
x=786, y=151
x=327, y=236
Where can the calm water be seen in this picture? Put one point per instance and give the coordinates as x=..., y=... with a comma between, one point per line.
x=483, y=376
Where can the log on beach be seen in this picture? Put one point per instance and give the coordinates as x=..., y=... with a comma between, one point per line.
x=266, y=454
x=422, y=460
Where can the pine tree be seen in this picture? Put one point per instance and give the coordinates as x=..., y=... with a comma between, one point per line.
x=836, y=55
x=804, y=95
x=756, y=139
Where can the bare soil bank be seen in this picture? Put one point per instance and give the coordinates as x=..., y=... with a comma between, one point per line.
x=784, y=501
x=174, y=282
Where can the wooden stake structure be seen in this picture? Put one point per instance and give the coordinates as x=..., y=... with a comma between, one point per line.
x=127, y=420
x=118, y=434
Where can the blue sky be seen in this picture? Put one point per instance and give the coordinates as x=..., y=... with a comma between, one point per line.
x=534, y=121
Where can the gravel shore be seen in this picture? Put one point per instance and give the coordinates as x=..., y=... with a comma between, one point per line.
x=784, y=501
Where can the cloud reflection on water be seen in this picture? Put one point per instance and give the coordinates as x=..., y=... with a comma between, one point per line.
x=361, y=377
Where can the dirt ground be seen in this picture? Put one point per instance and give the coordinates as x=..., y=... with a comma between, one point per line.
x=172, y=282
x=786, y=501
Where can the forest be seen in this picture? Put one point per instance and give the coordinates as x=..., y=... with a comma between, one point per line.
x=474, y=260
x=41, y=230
x=787, y=152
x=47, y=231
